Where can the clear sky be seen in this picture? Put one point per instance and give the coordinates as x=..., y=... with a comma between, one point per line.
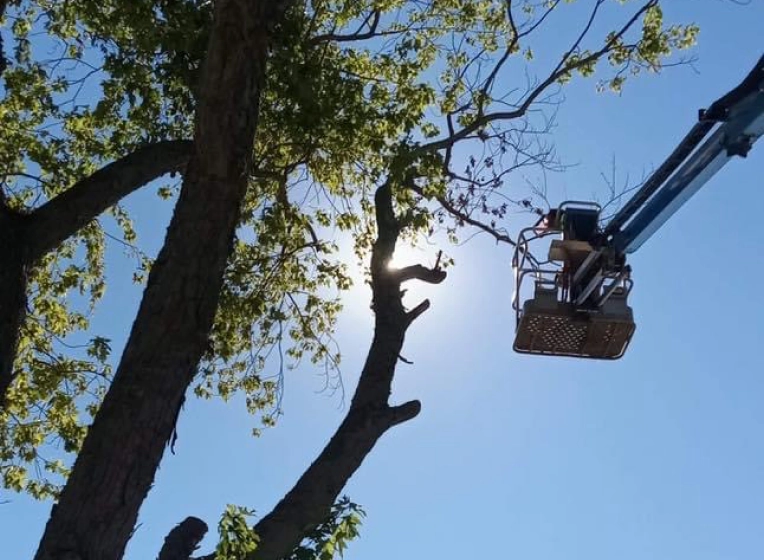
x=658, y=455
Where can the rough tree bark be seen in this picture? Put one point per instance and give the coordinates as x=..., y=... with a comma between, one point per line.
x=12, y=274
x=27, y=237
x=99, y=505
x=370, y=415
x=12, y=292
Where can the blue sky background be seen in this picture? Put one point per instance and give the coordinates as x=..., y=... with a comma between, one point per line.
x=658, y=455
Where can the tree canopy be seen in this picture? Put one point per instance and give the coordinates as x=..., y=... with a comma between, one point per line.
x=285, y=120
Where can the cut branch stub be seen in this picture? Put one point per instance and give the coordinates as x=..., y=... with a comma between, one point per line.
x=412, y=315
x=404, y=412
x=183, y=540
x=419, y=272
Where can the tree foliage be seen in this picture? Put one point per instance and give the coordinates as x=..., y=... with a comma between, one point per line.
x=429, y=94
x=325, y=541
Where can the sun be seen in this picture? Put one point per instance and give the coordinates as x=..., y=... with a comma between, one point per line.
x=407, y=254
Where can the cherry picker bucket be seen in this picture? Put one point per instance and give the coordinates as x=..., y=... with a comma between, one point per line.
x=579, y=303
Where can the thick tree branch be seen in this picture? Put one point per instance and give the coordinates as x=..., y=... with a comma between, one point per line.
x=183, y=540
x=310, y=500
x=369, y=417
x=27, y=237
x=65, y=214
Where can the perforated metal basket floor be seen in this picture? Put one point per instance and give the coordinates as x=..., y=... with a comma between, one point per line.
x=563, y=331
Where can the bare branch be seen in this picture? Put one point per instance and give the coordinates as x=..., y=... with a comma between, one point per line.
x=516, y=36
x=458, y=214
x=559, y=71
x=371, y=20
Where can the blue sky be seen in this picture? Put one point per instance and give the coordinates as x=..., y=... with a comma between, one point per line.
x=658, y=455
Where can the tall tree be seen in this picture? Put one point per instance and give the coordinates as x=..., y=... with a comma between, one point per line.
x=283, y=122
x=170, y=332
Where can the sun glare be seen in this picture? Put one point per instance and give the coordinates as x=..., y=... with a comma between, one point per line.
x=406, y=255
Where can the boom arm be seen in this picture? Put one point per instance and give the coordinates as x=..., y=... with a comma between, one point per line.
x=579, y=304
x=740, y=119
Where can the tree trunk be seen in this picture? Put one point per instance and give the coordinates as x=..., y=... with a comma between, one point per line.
x=12, y=293
x=99, y=505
